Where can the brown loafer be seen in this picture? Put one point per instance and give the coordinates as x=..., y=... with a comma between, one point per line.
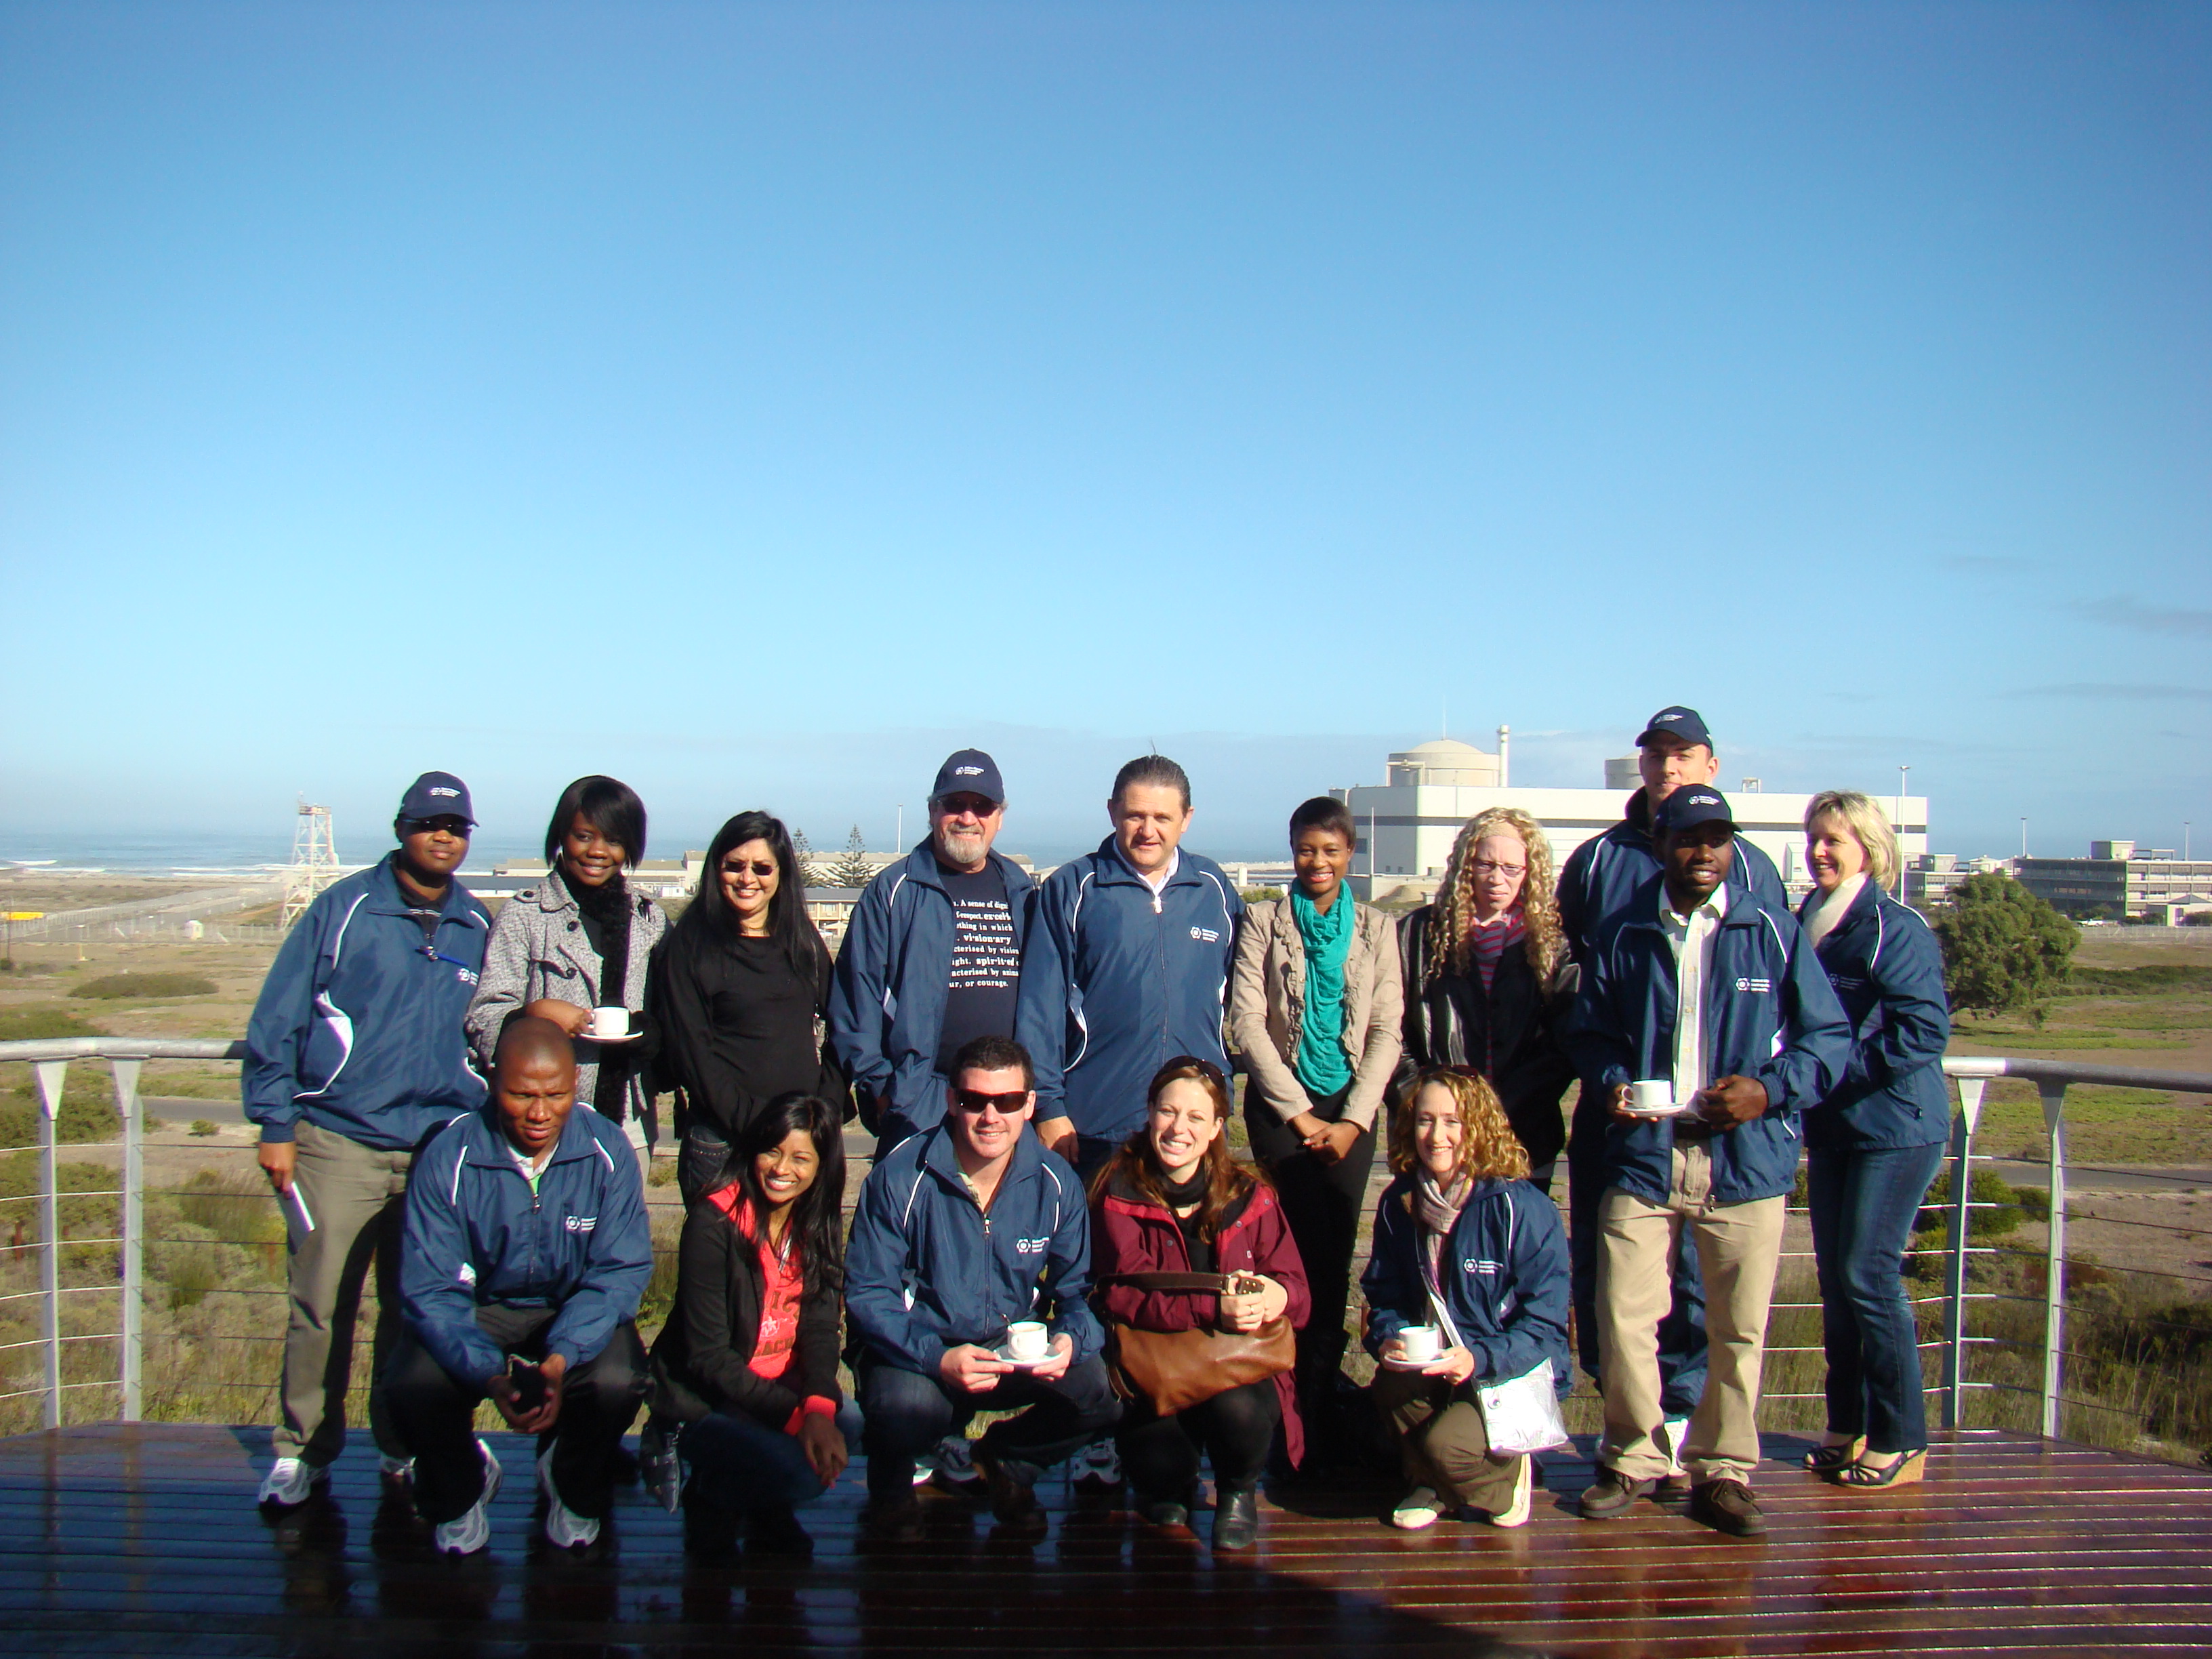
x=1728, y=1506
x=1611, y=1495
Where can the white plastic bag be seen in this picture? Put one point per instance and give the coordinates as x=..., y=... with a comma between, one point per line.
x=1521, y=1414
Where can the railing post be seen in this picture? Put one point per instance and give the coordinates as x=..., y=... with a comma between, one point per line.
x=1954, y=1313
x=134, y=1229
x=2054, y=1272
x=49, y=1074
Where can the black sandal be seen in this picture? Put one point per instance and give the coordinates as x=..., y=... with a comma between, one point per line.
x=1908, y=1467
x=1826, y=1460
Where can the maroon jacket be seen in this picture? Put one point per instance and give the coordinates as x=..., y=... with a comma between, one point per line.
x=1132, y=1234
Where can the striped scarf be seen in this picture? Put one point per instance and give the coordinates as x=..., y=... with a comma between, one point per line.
x=1487, y=941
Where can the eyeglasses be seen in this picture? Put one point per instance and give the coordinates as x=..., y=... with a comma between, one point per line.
x=956, y=806
x=452, y=826
x=976, y=1102
x=763, y=869
x=1485, y=867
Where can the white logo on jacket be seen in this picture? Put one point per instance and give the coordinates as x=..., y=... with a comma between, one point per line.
x=1761, y=985
x=1476, y=1265
x=1205, y=935
x=466, y=976
x=1031, y=1246
x=581, y=1224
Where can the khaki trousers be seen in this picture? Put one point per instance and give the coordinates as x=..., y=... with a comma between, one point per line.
x=1443, y=1440
x=354, y=1193
x=1739, y=1248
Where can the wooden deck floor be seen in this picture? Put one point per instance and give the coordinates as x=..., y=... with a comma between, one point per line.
x=116, y=1540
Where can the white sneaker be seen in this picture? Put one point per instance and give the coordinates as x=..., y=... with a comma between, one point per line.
x=1516, y=1514
x=395, y=1469
x=471, y=1531
x=1673, y=1433
x=564, y=1528
x=1098, y=1467
x=290, y=1479
x=1418, y=1509
x=952, y=1466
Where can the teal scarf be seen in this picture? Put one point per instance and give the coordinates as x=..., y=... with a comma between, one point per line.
x=1323, y=1066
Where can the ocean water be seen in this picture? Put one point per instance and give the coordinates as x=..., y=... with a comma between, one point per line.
x=195, y=853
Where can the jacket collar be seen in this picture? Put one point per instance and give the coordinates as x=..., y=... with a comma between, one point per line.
x=1743, y=910
x=1863, y=904
x=921, y=865
x=487, y=1143
x=386, y=898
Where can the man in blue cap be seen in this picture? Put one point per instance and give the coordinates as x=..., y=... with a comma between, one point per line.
x=931, y=960
x=1707, y=1023
x=1674, y=751
x=354, y=1057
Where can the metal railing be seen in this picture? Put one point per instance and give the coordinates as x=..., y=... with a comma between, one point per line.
x=50, y=1061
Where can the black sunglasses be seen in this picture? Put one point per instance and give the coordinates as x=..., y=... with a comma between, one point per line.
x=452, y=826
x=762, y=869
x=975, y=1101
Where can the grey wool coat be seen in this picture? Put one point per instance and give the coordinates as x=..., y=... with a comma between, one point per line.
x=539, y=949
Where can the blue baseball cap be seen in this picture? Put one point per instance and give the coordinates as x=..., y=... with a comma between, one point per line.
x=969, y=772
x=437, y=795
x=1687, y=724
x=1693, y=803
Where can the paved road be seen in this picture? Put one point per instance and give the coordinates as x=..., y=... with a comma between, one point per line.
x=2106, y=1178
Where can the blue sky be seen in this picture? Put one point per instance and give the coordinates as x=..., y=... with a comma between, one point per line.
x=755, y=402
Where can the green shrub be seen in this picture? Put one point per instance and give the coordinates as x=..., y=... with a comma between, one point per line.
x=202, y=1126
x=235, y=1206
x=1987, y=1187
x=37, y=1021
x=114, y=987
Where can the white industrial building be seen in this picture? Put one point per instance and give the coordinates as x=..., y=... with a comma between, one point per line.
x=1407, y=825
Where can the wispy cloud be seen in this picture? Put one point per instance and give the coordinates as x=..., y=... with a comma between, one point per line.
x=2119, y=693
x=2123, y=610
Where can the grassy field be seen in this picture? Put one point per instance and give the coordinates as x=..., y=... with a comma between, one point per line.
x=213, y=1310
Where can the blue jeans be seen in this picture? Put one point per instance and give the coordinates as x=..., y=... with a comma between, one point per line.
x=740, y=1464
x=1682, y=1332
x=1863, y=1201
x=907, y=1413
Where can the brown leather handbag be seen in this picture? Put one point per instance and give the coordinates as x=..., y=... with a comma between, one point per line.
x=1176, y=1369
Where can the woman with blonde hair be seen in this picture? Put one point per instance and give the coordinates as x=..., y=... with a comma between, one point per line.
x=1875, y=1143
x=1487, y=977
x=1470, y=1256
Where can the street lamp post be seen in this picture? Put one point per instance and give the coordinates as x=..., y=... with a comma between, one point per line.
x=1901, y=772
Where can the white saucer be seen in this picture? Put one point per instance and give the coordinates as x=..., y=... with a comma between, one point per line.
x=1409, y=1364
x=609, y=1042
x=1005, y=1356
x=1656, y=1111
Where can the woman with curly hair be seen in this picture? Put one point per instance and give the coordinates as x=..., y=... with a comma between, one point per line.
x=1487, y=977
x=1470, y=1256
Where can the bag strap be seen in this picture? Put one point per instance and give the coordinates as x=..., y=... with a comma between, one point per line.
x=1209, y=1283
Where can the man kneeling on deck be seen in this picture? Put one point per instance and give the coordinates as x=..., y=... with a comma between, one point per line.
x=525, y=1252
x=965, y=1283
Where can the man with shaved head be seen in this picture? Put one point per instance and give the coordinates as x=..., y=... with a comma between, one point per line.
x=525, y=1252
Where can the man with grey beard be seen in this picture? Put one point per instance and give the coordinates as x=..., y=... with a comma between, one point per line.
x=932, y=956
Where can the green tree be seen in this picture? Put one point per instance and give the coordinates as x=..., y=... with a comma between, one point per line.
x=2003, y=948
x=852, y=868
x=811, y=869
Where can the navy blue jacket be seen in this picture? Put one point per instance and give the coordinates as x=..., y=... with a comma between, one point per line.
x=926, y=1270
x=887, y=1006
x=1503, y=1273
x=477, y=1237
x=1770, y=1015
x=1604, y=872
x=1116, y=982
x=1888, y=971
x=358, y=1025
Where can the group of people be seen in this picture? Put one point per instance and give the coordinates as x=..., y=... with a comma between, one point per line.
x=1054, y=1228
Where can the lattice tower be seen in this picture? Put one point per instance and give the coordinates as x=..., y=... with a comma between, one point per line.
x=314, y=861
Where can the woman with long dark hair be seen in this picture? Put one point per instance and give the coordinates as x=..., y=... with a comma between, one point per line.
x=579, y=939
x=741, y=992
x=1487, y=978
x=1172, y=1200
x=747, y=1362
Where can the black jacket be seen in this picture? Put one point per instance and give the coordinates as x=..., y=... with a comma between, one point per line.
x=1509, y=1033
x=703, y=1359
x=738, y=1027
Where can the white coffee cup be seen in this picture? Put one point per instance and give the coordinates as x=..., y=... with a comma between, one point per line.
x=1027, y=1338
x=1654, y=1094
x=1421, y=1343
x=609, y=1023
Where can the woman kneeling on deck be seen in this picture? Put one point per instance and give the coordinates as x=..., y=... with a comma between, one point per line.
x=748, y=1361
x=1466, y=1288
x=1173, y=1202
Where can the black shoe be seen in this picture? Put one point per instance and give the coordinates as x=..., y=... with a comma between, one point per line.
x=1012, y=1501
x=1610, y=1496
x=709, y=1534
x=1163, y=1511
x=1727, y=1506
x=777, y=1531
x=1236, y=1518
x=892, y=1518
